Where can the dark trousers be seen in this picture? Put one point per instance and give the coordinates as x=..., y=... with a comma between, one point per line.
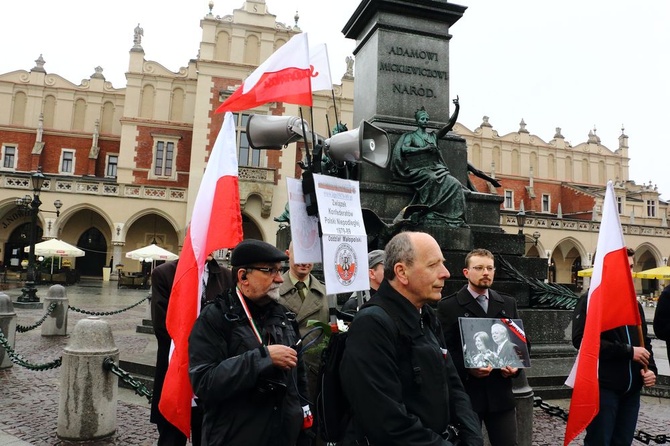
x=614, y=425
x=500, y=427
x=168, y=435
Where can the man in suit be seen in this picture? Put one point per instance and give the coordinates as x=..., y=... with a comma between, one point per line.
x=490, y=389
x=302, y=293
x=216, y=279
x=305, y=295
x=508, y=352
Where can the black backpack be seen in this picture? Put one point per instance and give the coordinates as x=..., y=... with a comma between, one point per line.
x=333, y=411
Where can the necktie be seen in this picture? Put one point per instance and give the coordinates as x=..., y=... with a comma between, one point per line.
x=301, y=289
x=483, y=302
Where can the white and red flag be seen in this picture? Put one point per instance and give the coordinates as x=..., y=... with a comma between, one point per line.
x=612, y=303
x=320, y=68
x=216, y=224
x=283, y=77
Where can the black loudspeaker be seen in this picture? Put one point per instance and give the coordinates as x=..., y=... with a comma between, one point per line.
x=275, y=132
x=366, y=142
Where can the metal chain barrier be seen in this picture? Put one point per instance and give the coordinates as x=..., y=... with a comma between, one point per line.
x=106, y=313
x=23, y=329
x=137, y=386
x=640, y=435
x=19, y=360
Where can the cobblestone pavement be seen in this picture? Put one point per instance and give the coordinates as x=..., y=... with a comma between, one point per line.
x=29, y=399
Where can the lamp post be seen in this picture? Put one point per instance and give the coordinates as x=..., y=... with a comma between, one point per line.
x=29, y=292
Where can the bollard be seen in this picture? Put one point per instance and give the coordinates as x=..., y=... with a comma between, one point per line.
x=56, y=323
x=88, y=393
x=523, y=394
x=8, y=327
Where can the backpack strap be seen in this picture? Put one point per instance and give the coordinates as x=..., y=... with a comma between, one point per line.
x=404, y=336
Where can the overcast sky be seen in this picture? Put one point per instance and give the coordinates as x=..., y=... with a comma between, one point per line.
x=572, y=64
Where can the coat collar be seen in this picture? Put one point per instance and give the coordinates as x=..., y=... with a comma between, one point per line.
x=404, y=309
x=465, y=300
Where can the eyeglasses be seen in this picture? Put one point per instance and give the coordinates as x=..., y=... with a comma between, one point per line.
x=480, y=268
x=266, y=269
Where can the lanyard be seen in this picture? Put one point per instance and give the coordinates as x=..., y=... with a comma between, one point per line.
x=246, y=311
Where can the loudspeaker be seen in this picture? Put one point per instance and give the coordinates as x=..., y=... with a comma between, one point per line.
x=366, y=142
x=275, y=132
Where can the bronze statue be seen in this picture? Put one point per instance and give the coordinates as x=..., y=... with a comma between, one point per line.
x=417, y=162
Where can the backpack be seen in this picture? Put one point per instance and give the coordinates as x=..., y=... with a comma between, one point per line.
x=333, y=411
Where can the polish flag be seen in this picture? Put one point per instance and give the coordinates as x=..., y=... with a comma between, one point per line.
x=320, y=68
x=216, y=224
x=612, y=302
x=283, y=77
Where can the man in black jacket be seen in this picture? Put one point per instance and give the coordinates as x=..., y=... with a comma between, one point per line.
x=243, y=363
x=490, y=389
x=396, y=372
x=624, y=366
x=662, y=318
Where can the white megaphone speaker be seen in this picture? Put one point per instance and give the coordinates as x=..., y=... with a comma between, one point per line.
x=367, y=142
x=275, y=132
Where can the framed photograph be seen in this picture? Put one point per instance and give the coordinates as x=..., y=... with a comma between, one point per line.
x=493, y=342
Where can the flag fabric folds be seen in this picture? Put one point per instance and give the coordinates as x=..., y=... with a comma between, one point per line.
x=320, y=68
x=216, y=224
x=283, y=77
x=612, y=302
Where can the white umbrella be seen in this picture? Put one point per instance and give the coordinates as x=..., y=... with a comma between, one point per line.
x=56, y=248
x=151, y=252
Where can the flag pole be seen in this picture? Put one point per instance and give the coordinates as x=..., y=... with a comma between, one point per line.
x=640, y=337
x=332, y=94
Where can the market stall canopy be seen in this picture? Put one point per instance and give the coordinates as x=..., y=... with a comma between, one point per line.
x=588, y=272
x=662, y=272
x=151, y=252
x=56, y=248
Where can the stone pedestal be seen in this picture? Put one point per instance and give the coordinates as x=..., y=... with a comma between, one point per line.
x=8, y=328
x=56, y=323
x=88, y=393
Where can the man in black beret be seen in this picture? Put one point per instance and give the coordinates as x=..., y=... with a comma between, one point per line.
x=243, y=357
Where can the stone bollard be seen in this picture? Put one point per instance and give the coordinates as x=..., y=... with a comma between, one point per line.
x=8, y=327
x=88, y=393
x=56, y=323
x=523, y=395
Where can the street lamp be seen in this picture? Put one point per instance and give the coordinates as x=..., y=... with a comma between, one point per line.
x=521, y=221
x=536, y=237
x=29, y=292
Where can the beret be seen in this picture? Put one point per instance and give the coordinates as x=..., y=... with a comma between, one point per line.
x=376, y=257
x=251, y=251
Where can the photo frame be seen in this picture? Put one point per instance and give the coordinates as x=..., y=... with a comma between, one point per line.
x=493, y=342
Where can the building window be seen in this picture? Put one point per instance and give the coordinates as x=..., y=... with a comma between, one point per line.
x=546, y=203
x=165, y=156
x=9, y=157
x=246, y=155
x=112, y=162
x=509, y=199
x=619, y=204
x=67, y=162
x=651, y=208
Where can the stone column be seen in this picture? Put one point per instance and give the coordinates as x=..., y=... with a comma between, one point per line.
x=88, y=393
x=8, y=327
x=523, y=394
x=56, y=323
